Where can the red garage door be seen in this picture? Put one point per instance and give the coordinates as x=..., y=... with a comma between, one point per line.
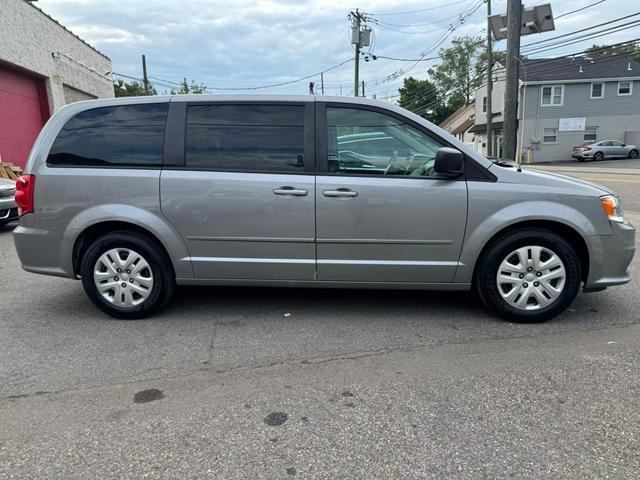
x=21, y=115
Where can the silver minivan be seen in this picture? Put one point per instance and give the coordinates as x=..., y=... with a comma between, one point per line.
x=135, y=196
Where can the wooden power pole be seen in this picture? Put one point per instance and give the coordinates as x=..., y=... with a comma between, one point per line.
x=510, y=130
x=145, y=80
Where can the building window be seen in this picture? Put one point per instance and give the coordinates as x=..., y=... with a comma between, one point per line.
x=552, y=95
x=597, y=90
x=590, y=134
x=550, y=135
x=625, y=88
x=484, y=104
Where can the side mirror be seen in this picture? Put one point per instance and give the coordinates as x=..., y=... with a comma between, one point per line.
x=449, y=162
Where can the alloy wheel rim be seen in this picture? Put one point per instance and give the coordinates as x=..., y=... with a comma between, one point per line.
x=123, y=277
x=531, y=277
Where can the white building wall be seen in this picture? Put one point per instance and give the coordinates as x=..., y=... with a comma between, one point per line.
x=609, y=128
x=497, y=104
x=32, y=40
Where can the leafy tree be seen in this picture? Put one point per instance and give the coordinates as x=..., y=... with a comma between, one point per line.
x=422, y=97
x=621, y=49
x=131, y=89
x=462, y=69
x=417, y=96
x=186, y=87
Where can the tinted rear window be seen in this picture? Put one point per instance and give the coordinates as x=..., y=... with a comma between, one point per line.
x=126, y=135
x=258, y=138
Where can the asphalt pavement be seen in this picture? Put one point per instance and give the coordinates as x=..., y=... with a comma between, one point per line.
x=300, y=383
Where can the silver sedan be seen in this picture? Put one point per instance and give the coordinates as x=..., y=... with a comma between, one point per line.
x=604, y=149
x=8, y=208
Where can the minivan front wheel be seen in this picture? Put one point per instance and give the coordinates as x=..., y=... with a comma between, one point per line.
x=529, y=275
x=126, y=275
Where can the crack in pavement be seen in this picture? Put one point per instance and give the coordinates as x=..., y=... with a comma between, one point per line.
x=306, y=361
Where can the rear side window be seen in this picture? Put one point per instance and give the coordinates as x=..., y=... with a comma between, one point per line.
x=257, y=138
x=120, y=136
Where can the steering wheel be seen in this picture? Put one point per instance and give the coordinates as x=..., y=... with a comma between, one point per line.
x=394, y=167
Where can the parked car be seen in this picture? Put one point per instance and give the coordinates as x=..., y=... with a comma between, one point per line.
x=133, y=196
x=8, y=207
x=604, y=149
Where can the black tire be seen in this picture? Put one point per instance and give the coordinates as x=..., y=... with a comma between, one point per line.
x=633, y=153
x=163, y=276
x=598, y=156
x=487, y=286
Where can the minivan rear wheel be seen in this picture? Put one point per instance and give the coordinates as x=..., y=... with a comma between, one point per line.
x=529, y=276
x=126, y=275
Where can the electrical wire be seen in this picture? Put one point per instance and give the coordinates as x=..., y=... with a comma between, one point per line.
x=579, y=9
x=417, y=11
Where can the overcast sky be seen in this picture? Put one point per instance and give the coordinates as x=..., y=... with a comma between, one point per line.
x=241, y=43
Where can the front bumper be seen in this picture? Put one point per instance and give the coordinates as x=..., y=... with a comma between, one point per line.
x=611, y=257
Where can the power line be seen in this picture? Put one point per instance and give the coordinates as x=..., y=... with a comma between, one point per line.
x=417, y=11
x=579, y=9
x=582, y=30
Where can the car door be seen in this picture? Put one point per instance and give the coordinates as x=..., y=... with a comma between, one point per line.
x=617, y=149
x=238, y=185
x=382, y=213
x=606, y=148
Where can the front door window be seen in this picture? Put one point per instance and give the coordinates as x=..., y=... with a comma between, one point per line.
x=365, y=142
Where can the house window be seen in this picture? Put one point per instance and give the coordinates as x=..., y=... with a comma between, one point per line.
x=597, y=90
x=625, y=88
x=590, y=134
x=484, y=104
x=550, y=135
x=552, y=95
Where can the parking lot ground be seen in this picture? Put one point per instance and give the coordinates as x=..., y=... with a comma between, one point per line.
x=301, y=383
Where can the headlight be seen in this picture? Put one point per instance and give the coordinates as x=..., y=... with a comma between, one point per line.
x=613, y=208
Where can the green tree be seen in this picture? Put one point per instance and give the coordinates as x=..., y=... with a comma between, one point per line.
x=621, y=49
x=462, y=69
x=186, y=87
x=131, y=89
x=418, y=96
x=422, y=97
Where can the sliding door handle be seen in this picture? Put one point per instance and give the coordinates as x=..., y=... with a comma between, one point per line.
x=296, y=192
x=340, y=192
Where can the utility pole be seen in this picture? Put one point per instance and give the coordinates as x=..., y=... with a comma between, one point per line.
x=514, y=26
x=144, y=75
x=489, y=112
x=322, y=83
x=360, y=37
x=357, y=18
x=363, y=89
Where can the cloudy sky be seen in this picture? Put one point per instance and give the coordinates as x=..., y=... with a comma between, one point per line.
x=242, y=43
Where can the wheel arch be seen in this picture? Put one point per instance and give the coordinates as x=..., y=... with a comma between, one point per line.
x=567, y=232
x=99, y=220
x=95, y=231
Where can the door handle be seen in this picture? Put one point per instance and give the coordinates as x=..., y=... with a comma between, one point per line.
x=340, y=192
x=296, y=192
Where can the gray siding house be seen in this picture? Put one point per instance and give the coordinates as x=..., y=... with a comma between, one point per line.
x=565, y=102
